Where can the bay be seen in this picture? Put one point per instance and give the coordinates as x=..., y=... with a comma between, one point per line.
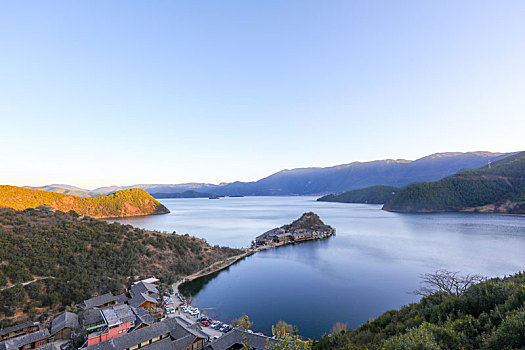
x=370, y=266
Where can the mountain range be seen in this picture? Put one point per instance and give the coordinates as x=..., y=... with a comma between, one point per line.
x=320, y=181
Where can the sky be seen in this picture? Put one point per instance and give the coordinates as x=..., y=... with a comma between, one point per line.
x=96, y=93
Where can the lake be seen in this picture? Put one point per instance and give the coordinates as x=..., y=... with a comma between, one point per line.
x=370, y=266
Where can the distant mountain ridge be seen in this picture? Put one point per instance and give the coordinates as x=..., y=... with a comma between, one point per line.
x=336, y=179
x=495, y=188
x=131, y=202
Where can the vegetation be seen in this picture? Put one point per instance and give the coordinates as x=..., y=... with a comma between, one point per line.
x=76, y=257
x=307, y=221
x=488, y=315
x=132, y=202
x=496, y=188
x=372, y=195
x=185, y=194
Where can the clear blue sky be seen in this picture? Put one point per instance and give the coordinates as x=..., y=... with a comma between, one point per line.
x=106, y=92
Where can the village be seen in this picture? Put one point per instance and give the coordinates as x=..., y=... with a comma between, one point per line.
x=144, y=317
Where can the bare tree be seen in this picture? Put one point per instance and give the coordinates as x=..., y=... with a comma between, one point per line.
x=447, y=282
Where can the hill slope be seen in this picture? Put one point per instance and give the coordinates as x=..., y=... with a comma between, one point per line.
x=489, y=315
x=81, y=256
x=132, y=202
x=499, y=188
x=379, y=194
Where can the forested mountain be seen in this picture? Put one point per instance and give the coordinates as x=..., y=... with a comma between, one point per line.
x=336, y=179
x=489, y=315
x=185, y=194
x=499, y=187
x=76, y=257
x=132, y=202
x=371, y=195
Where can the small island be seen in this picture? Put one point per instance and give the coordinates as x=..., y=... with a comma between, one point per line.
x=308, y=227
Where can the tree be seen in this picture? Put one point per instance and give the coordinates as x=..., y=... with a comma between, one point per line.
x=243, y=322
x=447, y=282
x=339, y=327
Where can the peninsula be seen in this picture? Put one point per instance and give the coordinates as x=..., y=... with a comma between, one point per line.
x=308, y=227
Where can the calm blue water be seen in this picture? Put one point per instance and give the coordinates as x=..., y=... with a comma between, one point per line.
x=367, y=268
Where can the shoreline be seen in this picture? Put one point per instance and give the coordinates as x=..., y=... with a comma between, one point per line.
x=223, y=264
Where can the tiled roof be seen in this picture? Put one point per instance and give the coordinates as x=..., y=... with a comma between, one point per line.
x=140, y=298
x=18, y=327
x=15, y=343
x=98, y=301
x=169, y=326
x=64, y=320
x=238, y=336
x=115, y=315
x=143, y=287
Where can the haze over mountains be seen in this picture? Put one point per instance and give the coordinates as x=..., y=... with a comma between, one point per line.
x=315, y=181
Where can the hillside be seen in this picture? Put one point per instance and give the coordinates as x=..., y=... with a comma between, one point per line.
x=499, y=188
x=336, y=179
x=68, y=189
x=80, y=256
x=489, y=315
x=372, y=195
x=185, y=194
x=132, y=202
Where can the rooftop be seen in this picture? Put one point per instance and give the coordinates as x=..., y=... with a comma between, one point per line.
x=115, y=315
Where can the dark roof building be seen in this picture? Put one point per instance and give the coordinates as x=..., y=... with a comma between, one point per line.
x=32, y=341
x=144, y=288
x=99, y=302
x=140, y=299
x=64, y=320
x=168, y=334
x=235, y=339
x=19, y=329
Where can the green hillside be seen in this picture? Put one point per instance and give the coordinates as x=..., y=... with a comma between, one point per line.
x=498, y=188
x=76, y=257
x=489, y=315
x=132, y=202
x=372, y=195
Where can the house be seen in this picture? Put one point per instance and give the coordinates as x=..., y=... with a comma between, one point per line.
x=19, y=329
x=142, y=318
x=235, y=339
x=168, y=334
x=143, y=300
x=116, y=321
x=144, y=288
x=63, y=325
x=99, y=302
x=282, y=238
x=32, y=340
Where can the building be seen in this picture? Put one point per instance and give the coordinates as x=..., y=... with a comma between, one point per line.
x=64, y=325
x=18, y=330
x=282, y=238
x=32, y=340
x=142, y=318
x=114, y=322
x=99, y=302
x=151, y=280
x=143, y=300
x=235, y=339
x=168, y=334
x=144, y=288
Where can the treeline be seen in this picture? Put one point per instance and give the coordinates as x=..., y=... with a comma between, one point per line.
x=78, y=257
x=488, y=315
x=379, y=194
